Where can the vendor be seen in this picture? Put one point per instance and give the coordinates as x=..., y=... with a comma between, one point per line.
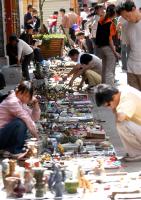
x=125, y=103
x=88, y=65
x=16, y=117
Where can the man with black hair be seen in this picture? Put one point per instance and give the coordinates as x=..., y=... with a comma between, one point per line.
x=25, y=54
x=89, y=67
x=27, y=34
x=28, y=19
x=125, y=103
x=132, y=32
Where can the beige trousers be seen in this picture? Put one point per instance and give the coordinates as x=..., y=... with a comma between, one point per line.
x=130, y=135
x=93, y=77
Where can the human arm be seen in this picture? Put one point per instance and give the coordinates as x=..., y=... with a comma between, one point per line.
x=75, y=75
x=113, y=33
x=74, y=70
x=125, y=110
x=81, y=83
x=17, y=110
x=20, y=49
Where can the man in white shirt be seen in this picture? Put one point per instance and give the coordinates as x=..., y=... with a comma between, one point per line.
x=25, y=54
x=88, y=65
x=132, y=31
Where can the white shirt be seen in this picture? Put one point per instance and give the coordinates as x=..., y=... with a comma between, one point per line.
x=95, y=64
x=23, y=49
x=133, y=39
x=83, y=15
x=94, y=25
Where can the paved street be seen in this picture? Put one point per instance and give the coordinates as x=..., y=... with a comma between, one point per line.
x=109, y=125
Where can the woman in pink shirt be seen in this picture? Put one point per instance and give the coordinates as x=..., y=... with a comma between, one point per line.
x=16, y=117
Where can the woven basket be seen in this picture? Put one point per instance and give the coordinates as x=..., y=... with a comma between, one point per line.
x=53, y=49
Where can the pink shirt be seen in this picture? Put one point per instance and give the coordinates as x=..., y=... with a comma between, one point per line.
x=12, y=108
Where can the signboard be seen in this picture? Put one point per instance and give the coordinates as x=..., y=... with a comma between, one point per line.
x=1, y=32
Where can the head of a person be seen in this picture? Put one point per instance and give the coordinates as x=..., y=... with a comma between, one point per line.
x=85, y=7
x=110, y=12
x=80, y=36
x=34, y=12
x=29, y=29
x=13, y=40
x=62, y=11
x=99, y=10
x=92, y=10
x=30, y=8
x=25, y=91
x=71, y=9
x=55, y=13
x=74, y=54
x=107, y=95
x=128, y=11
x=85, y=59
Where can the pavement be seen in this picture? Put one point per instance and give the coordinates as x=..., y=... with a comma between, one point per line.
x=108, y=123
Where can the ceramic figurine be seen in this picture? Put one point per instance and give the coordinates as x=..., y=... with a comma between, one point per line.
x=29, y=181
x=11, y=183
x=5, y=170
x=55, y=181
x=99, y=170
x=83, y=182
x=40, y=184
x=12, y=169
x=19, y=189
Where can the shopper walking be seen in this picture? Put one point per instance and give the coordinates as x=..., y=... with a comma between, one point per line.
x=104, y=40
x=132, y=32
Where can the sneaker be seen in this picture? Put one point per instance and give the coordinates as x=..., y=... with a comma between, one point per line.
x=133, y=159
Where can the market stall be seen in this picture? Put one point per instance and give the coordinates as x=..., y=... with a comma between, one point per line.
x=74, y=158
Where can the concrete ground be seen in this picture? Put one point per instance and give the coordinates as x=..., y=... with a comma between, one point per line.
x=109, y=124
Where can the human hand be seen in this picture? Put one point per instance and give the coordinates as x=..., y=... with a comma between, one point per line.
x=118, y=56
x=34, y=100
x=71, y=83
x=18, y=63
x=79, y=87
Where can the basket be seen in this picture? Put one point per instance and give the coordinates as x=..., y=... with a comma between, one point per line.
x=52, y=49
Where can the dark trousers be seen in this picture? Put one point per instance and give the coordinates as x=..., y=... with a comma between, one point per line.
x=25, y=63
x=13, y=135
x=72, y=34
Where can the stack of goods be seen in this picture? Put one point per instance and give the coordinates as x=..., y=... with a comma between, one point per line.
x=73, y=152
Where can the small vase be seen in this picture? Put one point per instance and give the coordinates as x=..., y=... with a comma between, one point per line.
x=11, y=182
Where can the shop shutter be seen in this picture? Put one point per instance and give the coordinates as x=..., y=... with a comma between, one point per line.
x=54, y=5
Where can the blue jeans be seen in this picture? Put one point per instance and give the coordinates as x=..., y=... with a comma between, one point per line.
x=13, y=135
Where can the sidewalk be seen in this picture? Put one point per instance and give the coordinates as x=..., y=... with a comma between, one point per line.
x=109, y=125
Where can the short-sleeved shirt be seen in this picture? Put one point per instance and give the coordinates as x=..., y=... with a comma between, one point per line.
x=106, y=30
x=96, y=63
x=130, y=103
x=132, y=33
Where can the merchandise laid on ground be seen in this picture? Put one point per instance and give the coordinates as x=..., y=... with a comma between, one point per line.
x=74, y=158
